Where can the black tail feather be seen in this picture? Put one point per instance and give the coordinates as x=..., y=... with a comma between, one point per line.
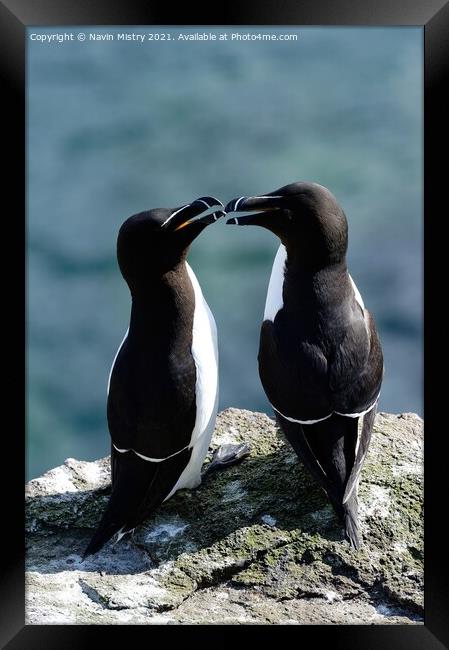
x=349, y=518
x=351, y=524
x=101, y=536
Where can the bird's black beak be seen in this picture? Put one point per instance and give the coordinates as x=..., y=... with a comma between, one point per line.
x=259, y=206
x=200, y=213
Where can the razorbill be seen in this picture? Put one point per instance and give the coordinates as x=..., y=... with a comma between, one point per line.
x=320, y=358
x=163, y=384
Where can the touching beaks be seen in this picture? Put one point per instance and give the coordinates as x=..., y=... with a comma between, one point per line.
x=204, y=210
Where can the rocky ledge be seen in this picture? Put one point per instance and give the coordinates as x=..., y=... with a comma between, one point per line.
x=255, y=543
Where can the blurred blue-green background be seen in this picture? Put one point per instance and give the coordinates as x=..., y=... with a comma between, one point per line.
x=119, y=127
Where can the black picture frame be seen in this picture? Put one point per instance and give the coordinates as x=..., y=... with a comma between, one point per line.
x=15, y=16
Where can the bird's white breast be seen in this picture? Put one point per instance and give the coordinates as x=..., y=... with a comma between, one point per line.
x=275, y=301
x=358, y=297
x=205, y=355
x=116, y=355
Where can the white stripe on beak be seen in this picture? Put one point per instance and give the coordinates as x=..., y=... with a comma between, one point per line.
x=238, y=201
x=265, y=197
x=175, y=213
x=206, y=204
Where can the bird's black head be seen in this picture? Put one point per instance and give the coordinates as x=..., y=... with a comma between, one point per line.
x=154, y=242
x=305, y=216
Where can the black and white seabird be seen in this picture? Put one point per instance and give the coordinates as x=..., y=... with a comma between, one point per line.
x=163, y=384
x=320, y=358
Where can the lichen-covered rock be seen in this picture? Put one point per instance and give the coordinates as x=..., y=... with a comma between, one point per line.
x=255, y=543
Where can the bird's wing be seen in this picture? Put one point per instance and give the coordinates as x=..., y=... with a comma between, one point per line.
x=356, y=368
x=363, y=442
x=327, y=449
x=359, y=391
x=297, y=439
x=145, y=415
x=295, y=377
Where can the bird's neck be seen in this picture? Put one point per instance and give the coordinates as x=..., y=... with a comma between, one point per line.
x=315, y=282
x=162, y=304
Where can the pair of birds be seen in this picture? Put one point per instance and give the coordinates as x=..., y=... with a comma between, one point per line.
x=320, y=359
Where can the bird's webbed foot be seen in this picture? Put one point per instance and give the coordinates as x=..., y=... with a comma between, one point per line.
x=226, y=455
x=121, y=533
